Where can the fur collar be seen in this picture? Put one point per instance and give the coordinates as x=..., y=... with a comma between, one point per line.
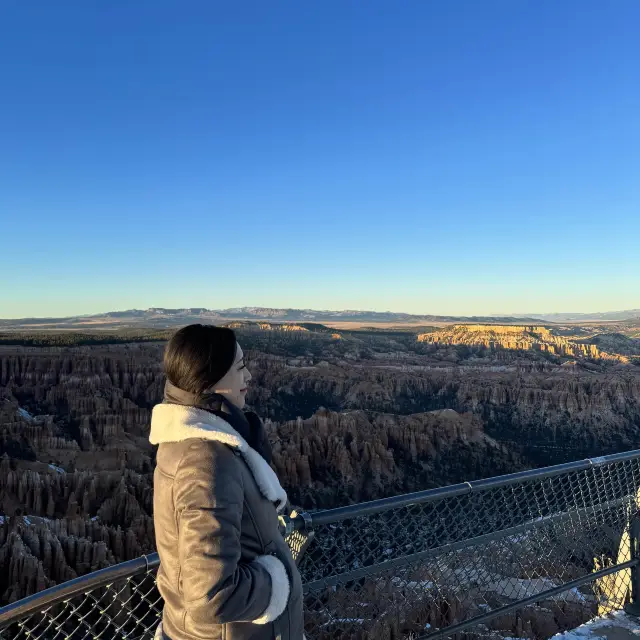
x=175, y=423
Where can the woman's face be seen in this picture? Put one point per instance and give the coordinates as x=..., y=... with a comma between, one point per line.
x=234, y=385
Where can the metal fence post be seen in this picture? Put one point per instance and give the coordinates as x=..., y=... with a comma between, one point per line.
x=633, y=607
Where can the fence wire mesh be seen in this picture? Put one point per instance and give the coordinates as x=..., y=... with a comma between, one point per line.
x=417, y=570
x=127, y=608
x=422, y=570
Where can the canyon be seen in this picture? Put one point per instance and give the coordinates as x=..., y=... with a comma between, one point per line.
x=352, y=415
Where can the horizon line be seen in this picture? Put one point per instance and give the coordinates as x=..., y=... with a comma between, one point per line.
x=517, y=315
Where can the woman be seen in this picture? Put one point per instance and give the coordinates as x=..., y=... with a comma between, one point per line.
x=225, y=569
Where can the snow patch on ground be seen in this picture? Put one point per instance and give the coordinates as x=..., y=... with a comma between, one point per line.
x=25, y=414
x=343, y=621
x=399, y=583
x=511, y=588
x=598, y=627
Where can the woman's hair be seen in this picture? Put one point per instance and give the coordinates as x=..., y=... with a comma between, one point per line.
x=198, y=356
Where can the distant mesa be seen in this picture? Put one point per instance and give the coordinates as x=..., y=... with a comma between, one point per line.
x=166, y=318
x=160, y=317
x=606, y=316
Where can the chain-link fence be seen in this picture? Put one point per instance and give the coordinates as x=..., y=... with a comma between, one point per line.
x=525, y=555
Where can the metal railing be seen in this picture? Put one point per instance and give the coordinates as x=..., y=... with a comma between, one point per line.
x=530, y=553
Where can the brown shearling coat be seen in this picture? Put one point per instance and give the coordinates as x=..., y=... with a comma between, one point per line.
x=226, y=572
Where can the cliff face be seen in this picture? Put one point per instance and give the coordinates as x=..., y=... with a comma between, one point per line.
x=399, y=415
x=336, y=458
x=511, y=337
x=584, y=412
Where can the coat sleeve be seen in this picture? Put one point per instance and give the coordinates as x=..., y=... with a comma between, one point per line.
x=217, y=586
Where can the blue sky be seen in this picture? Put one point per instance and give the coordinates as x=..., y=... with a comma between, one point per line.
x=425, y=156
